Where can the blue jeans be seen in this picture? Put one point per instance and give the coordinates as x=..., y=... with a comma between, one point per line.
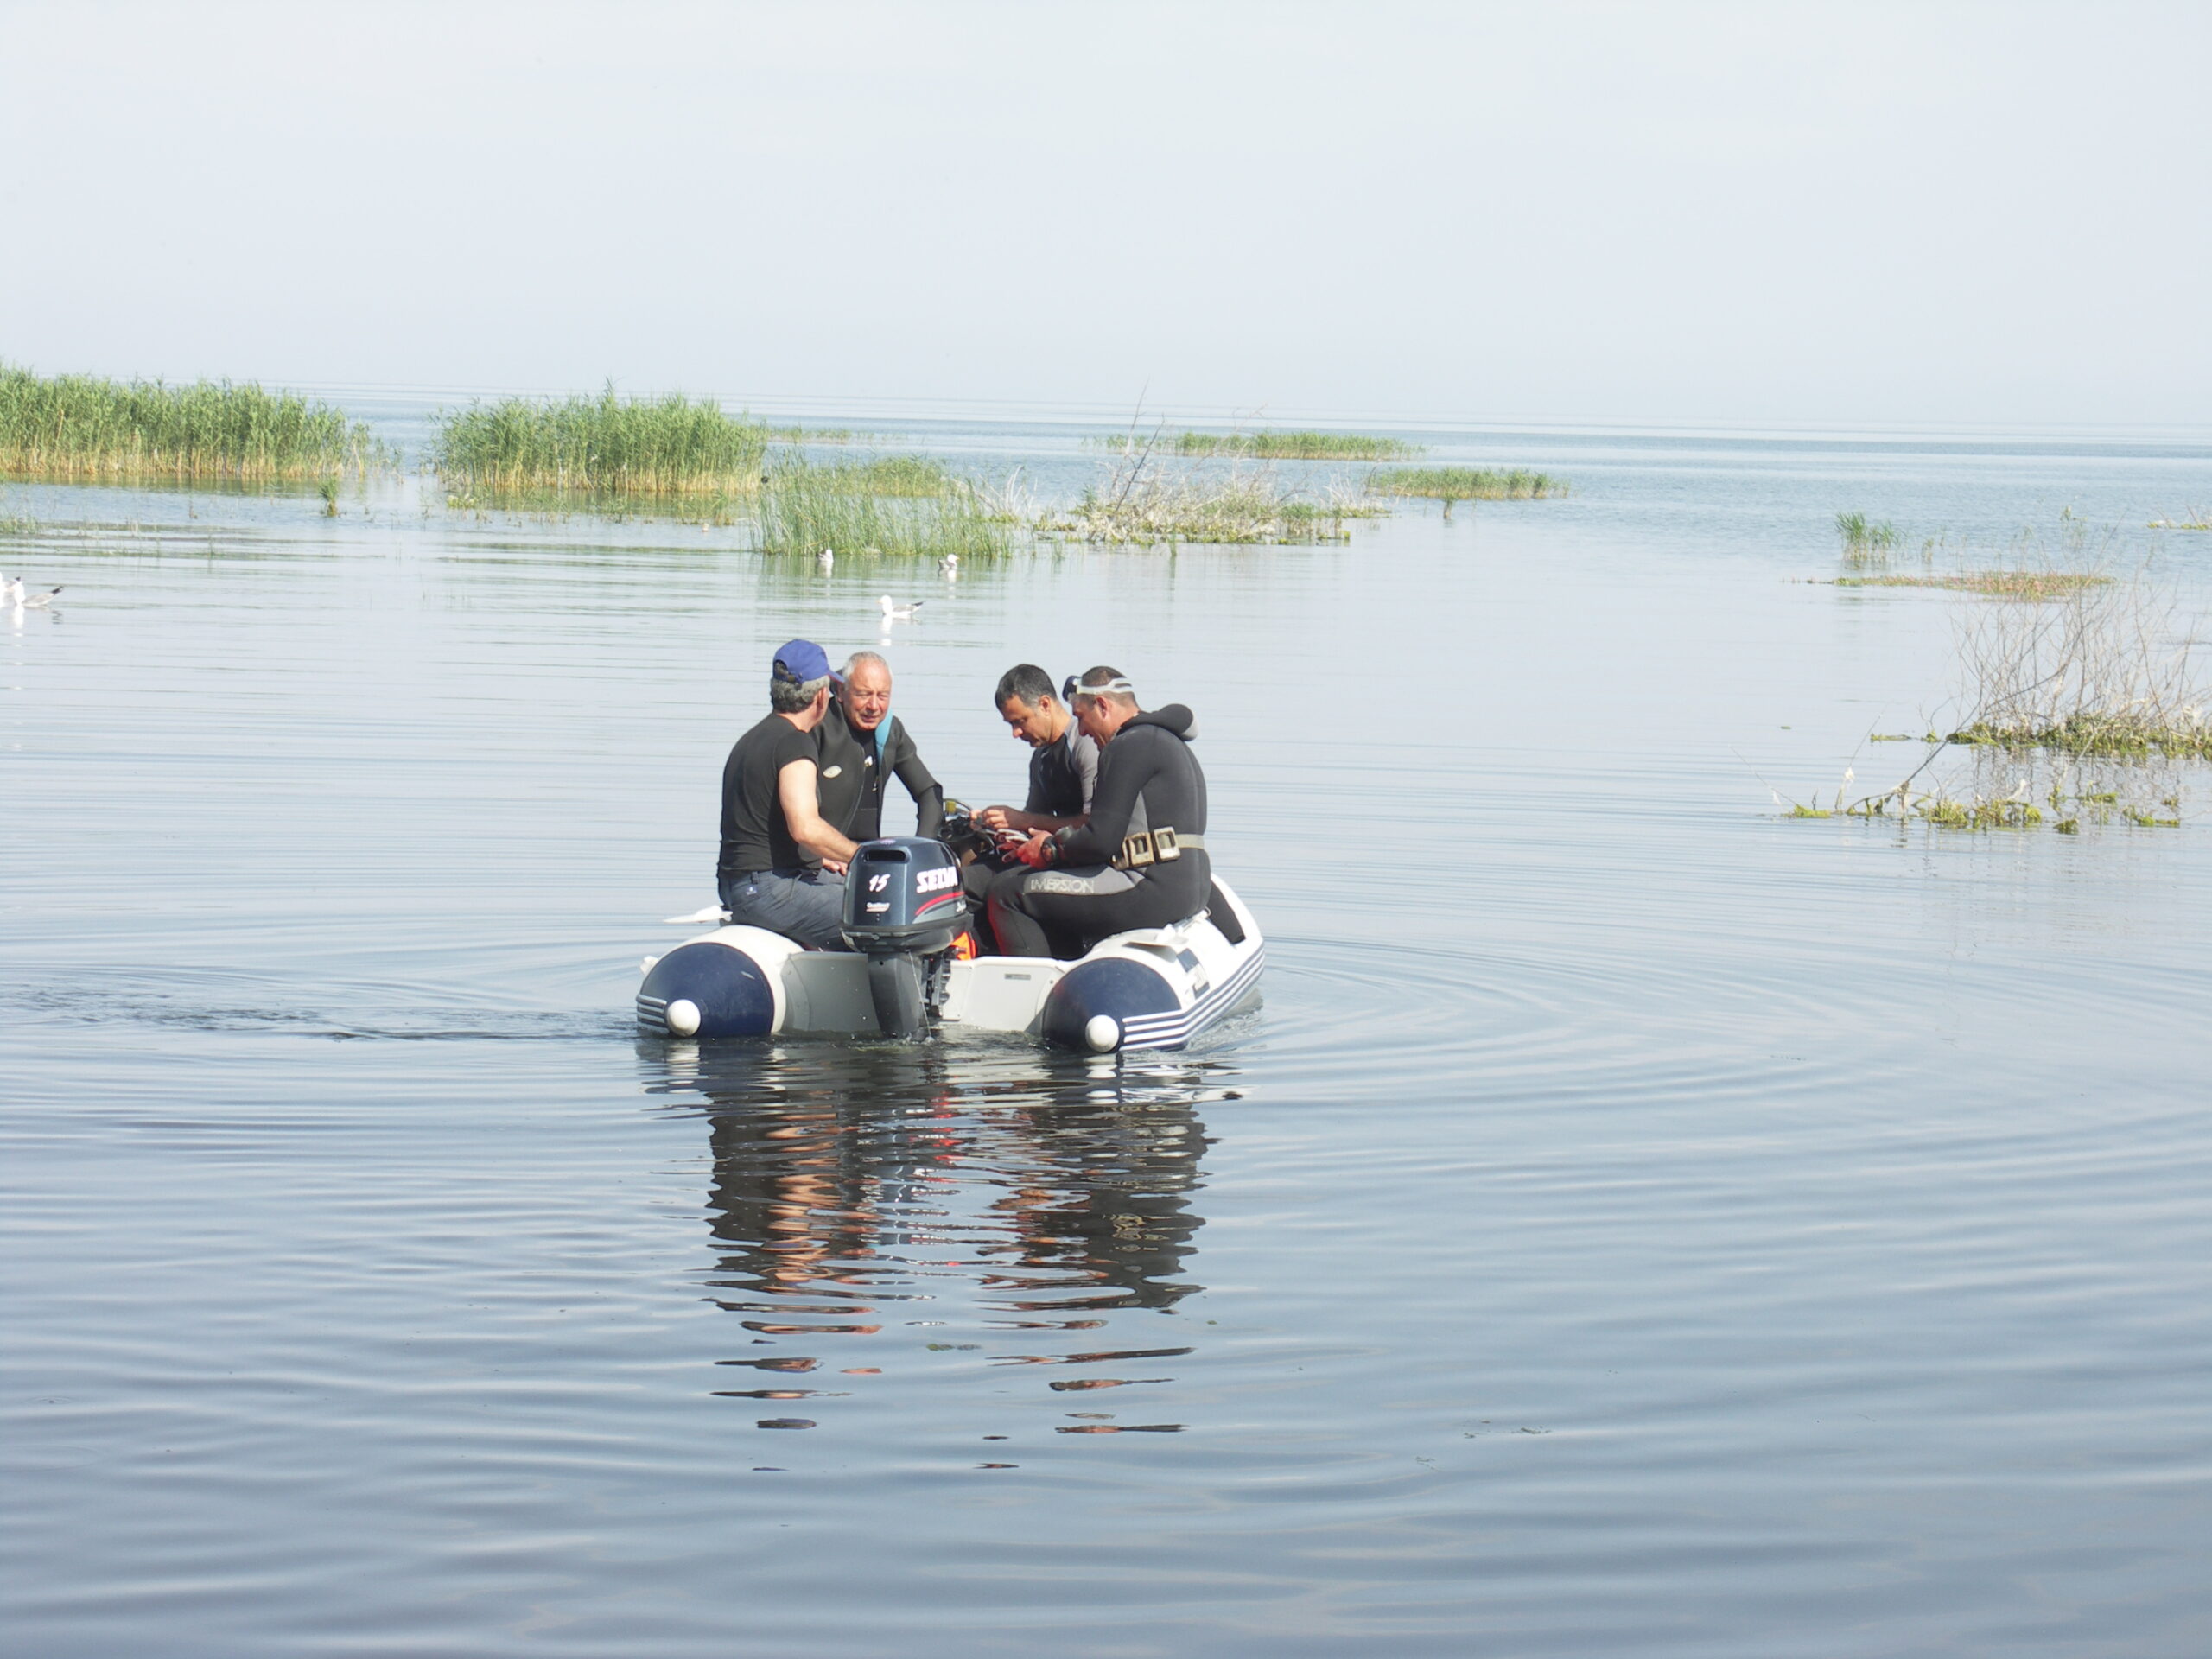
x=803, y=905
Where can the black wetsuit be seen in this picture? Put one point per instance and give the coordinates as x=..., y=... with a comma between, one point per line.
x=854, y=768
x=1063, y=776
x=1148, y=779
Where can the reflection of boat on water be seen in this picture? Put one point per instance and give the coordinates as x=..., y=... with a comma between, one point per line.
x=1150, y=988
x=910, y=1210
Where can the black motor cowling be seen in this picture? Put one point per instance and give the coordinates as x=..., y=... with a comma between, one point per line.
x=903, y=904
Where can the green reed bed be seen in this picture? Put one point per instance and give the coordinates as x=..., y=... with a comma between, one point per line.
x=1295, y=446
x=893, y=475
x=74, y=426
x=1267, y=446
x=598, y=450
x=1450, y=483
x=803, y=509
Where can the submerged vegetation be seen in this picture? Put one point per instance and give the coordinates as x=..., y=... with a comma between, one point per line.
x=1268, y=446
x=1450, y=483
x=804, y=508
x=2198, y=519
x=1996, y=584
x=518, y=451
x=77, y=427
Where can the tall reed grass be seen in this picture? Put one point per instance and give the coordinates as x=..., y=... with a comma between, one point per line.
x=74, y=426
x=1863, y=538
x=803, y=509
x=521, y=450
x=1450, y=483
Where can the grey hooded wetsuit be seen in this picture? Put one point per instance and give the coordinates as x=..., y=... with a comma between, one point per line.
x=1148, y=779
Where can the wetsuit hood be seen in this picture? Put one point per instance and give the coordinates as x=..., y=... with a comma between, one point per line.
x=1175, y=718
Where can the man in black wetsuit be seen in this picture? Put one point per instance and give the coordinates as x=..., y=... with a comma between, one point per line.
x=782, y=866
x=1139, y=860
x=1063, y=761
x=863, y=743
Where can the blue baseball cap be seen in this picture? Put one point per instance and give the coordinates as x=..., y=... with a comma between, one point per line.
x=801, y=660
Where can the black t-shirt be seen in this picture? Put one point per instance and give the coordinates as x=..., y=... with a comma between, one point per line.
x=754, y=834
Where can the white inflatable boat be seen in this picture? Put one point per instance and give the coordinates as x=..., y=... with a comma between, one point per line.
x=1152, y=987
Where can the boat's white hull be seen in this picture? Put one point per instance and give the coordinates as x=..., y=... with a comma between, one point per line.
x=1155, y=987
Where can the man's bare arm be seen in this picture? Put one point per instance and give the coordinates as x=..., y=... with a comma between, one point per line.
x=799, y=789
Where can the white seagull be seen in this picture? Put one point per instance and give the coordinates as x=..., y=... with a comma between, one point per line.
x=893, y=613
x=11, y=590
x=826, y=559
x=949, y=567
x=23, y=602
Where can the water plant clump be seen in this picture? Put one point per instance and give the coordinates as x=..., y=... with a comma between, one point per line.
x=1143, y=504
x=894, y=475
x=2196, y=519
x=1450, y=483
x=1270, y=446
x=803, y=509
x=1994, y=584
x=75, y=426
x=1863, y=538
x=522, y=452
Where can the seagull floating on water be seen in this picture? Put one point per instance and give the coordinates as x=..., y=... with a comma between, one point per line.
x=20, y=600
x=894, y=612
x=11, y=590
x=949, y=566
x=826, y=559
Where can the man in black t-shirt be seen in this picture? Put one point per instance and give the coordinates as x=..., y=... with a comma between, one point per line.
x=782, y=866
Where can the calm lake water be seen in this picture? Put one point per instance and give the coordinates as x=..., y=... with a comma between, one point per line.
x=1635, y=1223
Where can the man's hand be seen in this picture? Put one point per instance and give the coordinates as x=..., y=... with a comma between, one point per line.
x=1037, y=852
x=995, y=817
x=835, y=866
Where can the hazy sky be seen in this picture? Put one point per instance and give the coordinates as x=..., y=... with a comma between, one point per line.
x=1904, y=213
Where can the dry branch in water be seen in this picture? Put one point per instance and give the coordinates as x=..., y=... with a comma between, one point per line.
x=2109, y=669
x=1141, y=503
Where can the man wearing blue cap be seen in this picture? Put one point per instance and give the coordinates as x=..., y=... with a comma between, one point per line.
x=782, y=867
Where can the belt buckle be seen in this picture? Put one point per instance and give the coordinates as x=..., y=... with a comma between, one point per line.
x=1165, y=847
x=1138, y=851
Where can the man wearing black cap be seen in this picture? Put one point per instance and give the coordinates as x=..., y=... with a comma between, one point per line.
x=782, y=867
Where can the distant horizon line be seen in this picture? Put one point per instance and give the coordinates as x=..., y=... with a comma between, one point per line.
x=1251, y=417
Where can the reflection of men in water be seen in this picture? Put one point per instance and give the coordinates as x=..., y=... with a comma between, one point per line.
x=1113, y=871
x=834, y=1215
x=776, y=847
x=863, y=743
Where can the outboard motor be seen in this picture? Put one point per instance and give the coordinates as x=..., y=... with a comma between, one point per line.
x=902, y=906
